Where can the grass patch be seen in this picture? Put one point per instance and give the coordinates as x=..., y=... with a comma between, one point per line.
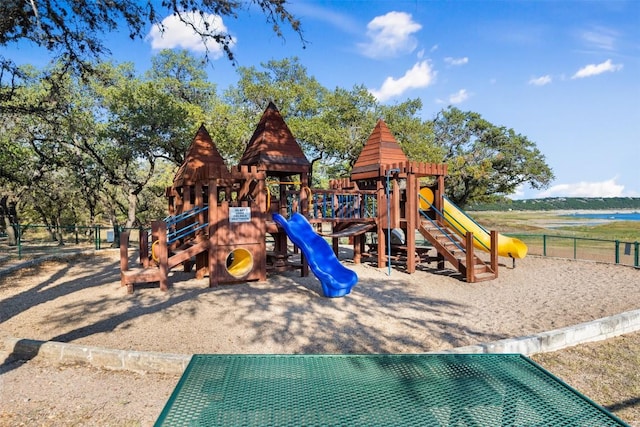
x=606, y=372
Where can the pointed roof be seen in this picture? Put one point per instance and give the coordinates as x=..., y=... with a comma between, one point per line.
x=201, y=160
x=274, y=147
x=381, y=149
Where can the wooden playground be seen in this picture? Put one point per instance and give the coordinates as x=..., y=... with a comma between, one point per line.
x=220, y=221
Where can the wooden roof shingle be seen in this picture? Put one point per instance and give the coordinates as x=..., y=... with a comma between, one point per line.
x=381, y=149
x=273, y=146
x=201, y=160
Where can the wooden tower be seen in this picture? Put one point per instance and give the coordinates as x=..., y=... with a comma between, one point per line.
x=274, y=151
x=383, y=166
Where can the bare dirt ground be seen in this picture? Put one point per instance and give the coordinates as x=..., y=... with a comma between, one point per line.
x=80, y=301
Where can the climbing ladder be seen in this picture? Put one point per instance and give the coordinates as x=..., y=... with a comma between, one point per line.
x=175, y=240
x=445, y=236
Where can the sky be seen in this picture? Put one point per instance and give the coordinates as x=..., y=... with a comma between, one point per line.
x=563, y=73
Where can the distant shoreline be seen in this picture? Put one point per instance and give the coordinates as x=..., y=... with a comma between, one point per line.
x=561, y=211
x=564, y=204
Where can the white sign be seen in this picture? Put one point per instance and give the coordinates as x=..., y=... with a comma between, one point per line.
x=240, y=214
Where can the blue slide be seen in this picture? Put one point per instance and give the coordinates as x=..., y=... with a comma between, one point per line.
x=335, y=278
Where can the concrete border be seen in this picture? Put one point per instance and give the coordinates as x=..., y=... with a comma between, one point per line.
x=140, y=361
x=65, y=353
x=558, y=339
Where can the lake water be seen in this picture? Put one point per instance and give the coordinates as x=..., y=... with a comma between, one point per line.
x=609, y=216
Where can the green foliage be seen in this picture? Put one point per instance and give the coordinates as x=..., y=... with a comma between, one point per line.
x=486, y=160
x=107, y=145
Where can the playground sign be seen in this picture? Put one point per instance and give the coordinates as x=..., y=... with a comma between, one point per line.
x=240, y=214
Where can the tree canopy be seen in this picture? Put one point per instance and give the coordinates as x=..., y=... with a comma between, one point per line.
x=485, y=161
x=112, y=140
x=74, y=31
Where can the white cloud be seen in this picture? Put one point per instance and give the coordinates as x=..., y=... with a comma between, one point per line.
x=177, y=34
x=307, y=11
x=540, y=81
x=600, y=38
x=458, y=97
x=608, y=188
x=595, y=69
x=518, y=193
x=421, y=75
x=456, y=61
x=390, y=35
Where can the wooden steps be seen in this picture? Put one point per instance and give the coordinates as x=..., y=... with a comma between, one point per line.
x=139, y=275
x=158, y=272
x=457, y=252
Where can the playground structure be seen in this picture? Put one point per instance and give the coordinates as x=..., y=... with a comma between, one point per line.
x=220, y=218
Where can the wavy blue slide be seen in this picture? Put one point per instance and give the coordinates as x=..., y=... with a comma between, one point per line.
x=335, y=278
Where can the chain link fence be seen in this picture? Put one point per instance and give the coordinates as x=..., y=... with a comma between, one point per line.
x=34, y=240
x=38, y=240
x=580, y=248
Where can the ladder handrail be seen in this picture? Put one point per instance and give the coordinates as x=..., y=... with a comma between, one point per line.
x=477, y=224
x=444, y=233
x=170, y=220
x=460, y=228
x=185, y=231
x=475, y=238
x=176, y=234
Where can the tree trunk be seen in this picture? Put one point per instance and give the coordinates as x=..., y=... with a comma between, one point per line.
x=131, y=213
x=12, y=234
x=58, y=232
x=9, y=219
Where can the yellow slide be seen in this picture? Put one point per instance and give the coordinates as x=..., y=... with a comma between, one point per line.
x=461, y=223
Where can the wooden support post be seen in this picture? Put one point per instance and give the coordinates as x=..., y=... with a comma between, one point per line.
x=470, y=258
x=438, y=193
x=304, y=270
x=124, y=254
x=358, y=248
x=494, y=252
x=304, y=196
x=144, y=246
x=382, y=222
x=395, y=204
x=261, y=216
x=201, y=264
x=411, y=211
x=214, y=210
x=186, y=198
x=163, y=254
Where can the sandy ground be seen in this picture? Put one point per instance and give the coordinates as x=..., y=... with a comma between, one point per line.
x=82, y=302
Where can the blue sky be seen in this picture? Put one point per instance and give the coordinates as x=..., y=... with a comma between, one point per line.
x=566, y=74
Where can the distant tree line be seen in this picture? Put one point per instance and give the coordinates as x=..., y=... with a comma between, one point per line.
x=561, y=203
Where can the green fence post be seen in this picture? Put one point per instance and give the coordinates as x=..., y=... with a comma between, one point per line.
x=575, y=248
x=636, y=261
x=617, y=252
x=544, y=245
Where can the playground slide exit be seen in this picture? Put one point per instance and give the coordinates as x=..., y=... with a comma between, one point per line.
x=335, y=278
x=461, y=223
